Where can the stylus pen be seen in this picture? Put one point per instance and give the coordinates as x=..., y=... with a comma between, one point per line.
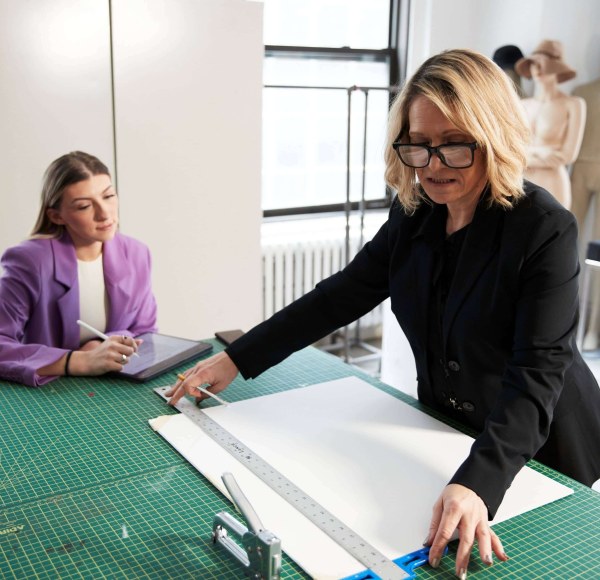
x=97, y=332
x=206, y=391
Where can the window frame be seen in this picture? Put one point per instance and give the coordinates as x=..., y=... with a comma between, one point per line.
x=396, y=59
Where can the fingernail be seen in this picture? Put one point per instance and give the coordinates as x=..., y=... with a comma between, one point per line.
x=435, y=562
x=462, y=574
x=488, y=559
x=426, y=541
x=505, y=556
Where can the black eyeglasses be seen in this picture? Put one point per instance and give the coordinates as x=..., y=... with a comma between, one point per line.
x=454, y=155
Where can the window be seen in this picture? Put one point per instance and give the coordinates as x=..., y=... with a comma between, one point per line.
x=317, y=52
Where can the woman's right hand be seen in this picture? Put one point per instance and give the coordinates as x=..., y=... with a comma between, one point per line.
x=459, y=509
x=214, y=373
x=96, y=358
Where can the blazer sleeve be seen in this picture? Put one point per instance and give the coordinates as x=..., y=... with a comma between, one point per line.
x=20, y=292
x=545, y=324
x=335, y=302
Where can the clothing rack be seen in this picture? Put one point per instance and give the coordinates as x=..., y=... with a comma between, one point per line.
x=343, y=340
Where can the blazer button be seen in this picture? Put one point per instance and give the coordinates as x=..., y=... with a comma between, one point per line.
x=453, y=366
x=468, y=406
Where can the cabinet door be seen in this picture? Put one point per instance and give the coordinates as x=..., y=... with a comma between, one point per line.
x=55, y=97
x=188, y=88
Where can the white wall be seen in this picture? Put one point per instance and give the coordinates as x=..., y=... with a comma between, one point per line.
x=577, y=25
x=485, y=25
x=188, y=84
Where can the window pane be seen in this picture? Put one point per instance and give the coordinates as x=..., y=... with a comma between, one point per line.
x=320, y=72
x=305, y=146
x=327, y=23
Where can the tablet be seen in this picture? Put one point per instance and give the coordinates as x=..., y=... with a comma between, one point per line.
x=160, y=353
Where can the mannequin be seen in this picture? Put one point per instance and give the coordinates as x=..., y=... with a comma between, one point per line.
x=585, y=186
x=506, y=57
x=557, y=120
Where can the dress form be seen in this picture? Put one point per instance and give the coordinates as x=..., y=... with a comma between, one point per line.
x=557, y=123
x=557, y=120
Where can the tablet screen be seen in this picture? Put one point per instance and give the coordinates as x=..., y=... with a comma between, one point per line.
x=160, y=353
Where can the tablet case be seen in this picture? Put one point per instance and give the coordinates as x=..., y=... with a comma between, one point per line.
x=160, y=353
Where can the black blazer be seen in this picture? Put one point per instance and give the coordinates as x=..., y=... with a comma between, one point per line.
x=508, y=332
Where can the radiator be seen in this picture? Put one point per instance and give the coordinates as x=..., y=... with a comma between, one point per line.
x=291, y=269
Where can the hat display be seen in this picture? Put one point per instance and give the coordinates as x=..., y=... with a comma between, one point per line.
x=549, y=56
x=506, y=56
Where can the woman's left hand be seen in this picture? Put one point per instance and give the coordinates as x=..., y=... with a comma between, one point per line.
x=91, y=344
x=461, y=509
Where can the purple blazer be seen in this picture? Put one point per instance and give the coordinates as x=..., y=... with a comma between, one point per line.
x=39, y=301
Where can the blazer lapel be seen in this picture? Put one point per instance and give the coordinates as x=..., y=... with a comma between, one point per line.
x=116, y=271
x=478, y=248
x=425, y=240
x=65, y=273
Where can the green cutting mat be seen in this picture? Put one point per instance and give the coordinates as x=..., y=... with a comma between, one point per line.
x=88, y=490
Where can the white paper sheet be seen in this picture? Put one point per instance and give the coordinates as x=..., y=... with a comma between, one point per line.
x=375, y=462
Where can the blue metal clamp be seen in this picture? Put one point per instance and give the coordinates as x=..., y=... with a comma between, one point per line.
x=408, y=563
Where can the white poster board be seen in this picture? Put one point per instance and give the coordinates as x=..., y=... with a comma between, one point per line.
x=375, y=462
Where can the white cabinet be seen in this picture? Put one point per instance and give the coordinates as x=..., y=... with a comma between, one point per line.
x=188, y=86
x=55, y=97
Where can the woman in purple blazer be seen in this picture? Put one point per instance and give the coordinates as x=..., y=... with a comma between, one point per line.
x=76, y=265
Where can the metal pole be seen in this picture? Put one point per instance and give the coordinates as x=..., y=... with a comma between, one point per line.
x=347, y=206
x=347, y=209
x=361, y=205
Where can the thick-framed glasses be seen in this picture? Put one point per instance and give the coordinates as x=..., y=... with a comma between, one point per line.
x=418, y=155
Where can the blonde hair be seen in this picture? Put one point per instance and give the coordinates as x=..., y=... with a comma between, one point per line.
x=66, y=170
x=476, y=96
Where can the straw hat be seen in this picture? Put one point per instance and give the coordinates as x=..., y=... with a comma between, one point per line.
x=549, y=56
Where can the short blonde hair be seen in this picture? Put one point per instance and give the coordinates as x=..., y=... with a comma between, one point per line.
x=476, y=96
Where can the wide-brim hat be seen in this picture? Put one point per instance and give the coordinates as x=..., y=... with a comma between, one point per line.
x=549, y=55
x=506, y=56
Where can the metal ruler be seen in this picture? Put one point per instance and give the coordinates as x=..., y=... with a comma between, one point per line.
x=356, y=546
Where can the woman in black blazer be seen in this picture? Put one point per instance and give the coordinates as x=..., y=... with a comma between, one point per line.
x=481, y=267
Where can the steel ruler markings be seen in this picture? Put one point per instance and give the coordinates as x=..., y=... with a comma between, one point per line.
x=327, y=522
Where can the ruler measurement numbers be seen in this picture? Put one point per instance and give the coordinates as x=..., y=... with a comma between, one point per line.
x=322, y=518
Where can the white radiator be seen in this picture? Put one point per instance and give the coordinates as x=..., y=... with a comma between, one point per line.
x=291, y=269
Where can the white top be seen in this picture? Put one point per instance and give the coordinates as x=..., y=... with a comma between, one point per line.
x=92, y=297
